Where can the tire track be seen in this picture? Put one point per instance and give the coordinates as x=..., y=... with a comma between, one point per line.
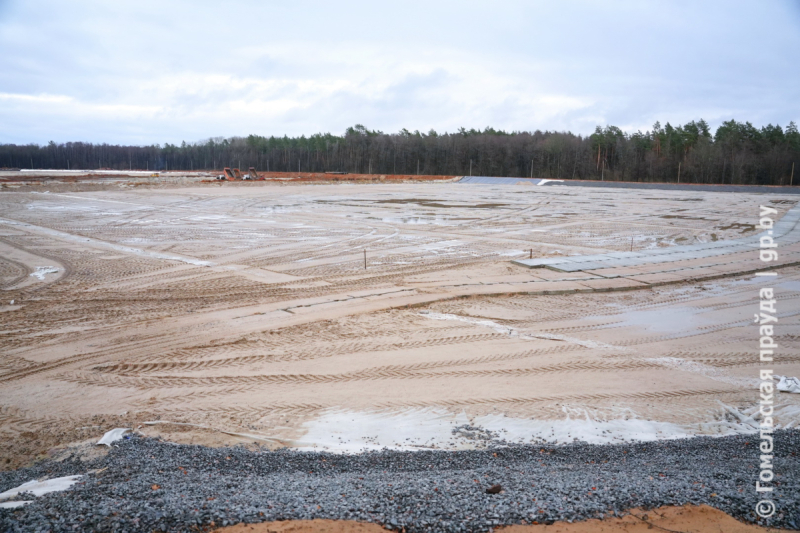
x=160, y=382
x=723, y=360
x=643, y=396
x=7, y=265
x=254, y=413
x=296, y=353
x=141, y=368
x=84, y=357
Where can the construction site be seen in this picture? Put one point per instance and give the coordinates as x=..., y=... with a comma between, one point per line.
x=344, y=313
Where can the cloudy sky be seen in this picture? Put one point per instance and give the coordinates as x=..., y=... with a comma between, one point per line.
x=166, y=71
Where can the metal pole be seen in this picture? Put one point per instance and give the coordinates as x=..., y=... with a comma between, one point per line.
x=791, y=179
x=365, y=258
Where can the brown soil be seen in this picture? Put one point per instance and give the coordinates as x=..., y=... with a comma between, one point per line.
x=321, y=176
x=687, y=519
x=306, y=526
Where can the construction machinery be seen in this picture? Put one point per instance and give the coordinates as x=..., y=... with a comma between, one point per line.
x=233, y=174
x=227, y=174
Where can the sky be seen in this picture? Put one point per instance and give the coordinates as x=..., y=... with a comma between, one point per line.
x=149, y=72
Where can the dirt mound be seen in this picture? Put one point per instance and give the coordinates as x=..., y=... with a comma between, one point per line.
x=686, y=519
x=306, y=526
x=324, y=176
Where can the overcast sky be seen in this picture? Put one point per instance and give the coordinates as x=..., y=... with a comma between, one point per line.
x=166, y=71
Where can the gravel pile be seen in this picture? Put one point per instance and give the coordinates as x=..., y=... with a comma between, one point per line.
x=149, y=485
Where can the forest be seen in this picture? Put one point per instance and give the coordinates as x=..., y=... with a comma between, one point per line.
x=736, y=153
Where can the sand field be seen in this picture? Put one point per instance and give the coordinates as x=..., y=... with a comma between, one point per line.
x=219, y=314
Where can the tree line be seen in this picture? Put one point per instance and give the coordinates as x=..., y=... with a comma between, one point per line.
x=736, y=153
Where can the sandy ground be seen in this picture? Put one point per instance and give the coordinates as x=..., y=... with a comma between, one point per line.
x=305, y=526
x=246, y=314
x=688, y=519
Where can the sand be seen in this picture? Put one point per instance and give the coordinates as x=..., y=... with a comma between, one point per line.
x=306, y=526
x=246, y=314
x=687, y=519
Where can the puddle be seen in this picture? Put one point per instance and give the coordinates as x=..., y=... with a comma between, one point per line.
x=426, y=429
x=675, y=320
x=437, y=203
x=344, y=431
x=436, y=221
x=743, y=228
x=793, y=286
x=676, y=199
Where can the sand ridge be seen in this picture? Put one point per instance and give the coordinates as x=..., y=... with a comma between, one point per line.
x=685, y=519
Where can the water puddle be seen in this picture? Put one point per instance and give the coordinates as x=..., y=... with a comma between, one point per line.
x=674, y=320
x=793, y=286
x=438, y=203
x=344, y=431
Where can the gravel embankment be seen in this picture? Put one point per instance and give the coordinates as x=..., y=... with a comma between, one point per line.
x=150, y=485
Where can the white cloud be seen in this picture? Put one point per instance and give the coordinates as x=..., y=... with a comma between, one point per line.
x=148, y=72
x=35, y=98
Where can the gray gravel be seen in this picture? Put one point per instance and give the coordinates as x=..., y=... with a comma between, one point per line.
x=152, y=485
